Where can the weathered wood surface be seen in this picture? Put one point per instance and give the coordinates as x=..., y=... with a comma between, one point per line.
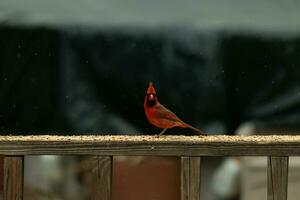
x=194, y=191
x=13, y=177
x=277, y=177
x=190, y=178
x=102, y=175
x=184, y=178
x=1, y=171
x=151, y=145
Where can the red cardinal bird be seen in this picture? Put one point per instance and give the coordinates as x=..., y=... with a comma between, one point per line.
x=160, y=116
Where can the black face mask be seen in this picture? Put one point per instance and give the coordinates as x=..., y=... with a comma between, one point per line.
x=151, y=101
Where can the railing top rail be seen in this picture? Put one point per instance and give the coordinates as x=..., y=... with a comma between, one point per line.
x=220, y=145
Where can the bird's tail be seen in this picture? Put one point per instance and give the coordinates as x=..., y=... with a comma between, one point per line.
x=193, y=128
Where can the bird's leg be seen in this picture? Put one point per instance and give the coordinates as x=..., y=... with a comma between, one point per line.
x=162, y=132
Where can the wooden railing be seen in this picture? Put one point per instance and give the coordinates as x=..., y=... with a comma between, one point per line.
x=189, y=148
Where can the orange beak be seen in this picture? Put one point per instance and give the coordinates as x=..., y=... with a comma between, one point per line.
x=151, y=89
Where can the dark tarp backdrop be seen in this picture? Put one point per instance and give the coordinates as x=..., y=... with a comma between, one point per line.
x=57, y=80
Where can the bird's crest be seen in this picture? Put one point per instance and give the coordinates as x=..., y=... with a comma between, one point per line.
x=151, y=89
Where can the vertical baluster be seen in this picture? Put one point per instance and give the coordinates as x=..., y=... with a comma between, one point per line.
x=13, y=177
x=190, y=178
x=102, y=178
x=277, y=177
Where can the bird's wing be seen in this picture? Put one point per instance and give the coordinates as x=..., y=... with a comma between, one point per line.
x=163, y=113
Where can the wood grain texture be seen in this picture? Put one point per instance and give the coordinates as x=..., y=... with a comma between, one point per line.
x=1, y=172
x=102, y=176
x=277, y=177
x=194, y=192
x=151, y=145
x=190, y=178
x=184, y=178
x=13, y=177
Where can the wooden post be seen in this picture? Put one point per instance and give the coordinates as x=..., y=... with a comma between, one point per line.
x=277, y=177
x=184, y=178
x=13, y=177
x=190, y=178
x=1, y=171
x=102, y=178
